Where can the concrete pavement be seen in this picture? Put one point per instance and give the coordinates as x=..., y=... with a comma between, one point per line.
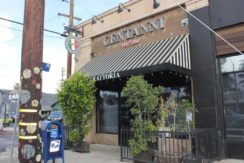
x=98, y=154
x=229, y=161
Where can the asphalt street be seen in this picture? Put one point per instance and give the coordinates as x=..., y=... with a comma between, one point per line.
x=6, y=139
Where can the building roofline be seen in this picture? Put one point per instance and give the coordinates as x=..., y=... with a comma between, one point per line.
x=108, y=12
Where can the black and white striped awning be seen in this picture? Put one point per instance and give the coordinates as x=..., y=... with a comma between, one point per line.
x=170, y=54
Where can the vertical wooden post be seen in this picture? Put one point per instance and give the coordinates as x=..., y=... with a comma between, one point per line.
x=71, y=25
x=30, y=143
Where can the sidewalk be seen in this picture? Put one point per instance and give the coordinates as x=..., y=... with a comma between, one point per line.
x=229, y=161
x=98, y=154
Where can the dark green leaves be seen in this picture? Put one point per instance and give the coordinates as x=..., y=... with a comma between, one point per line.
x=76, y=98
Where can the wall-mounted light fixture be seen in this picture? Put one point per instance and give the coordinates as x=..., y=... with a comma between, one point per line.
x=93, y=55
x=94, y=18
x=121, y=7
x=155, y=4
x=76, y=58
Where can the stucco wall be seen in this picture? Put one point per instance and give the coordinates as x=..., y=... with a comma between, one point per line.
x=140, y=9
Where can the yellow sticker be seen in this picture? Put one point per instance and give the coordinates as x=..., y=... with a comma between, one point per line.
x=27, y=137
x=27, y=110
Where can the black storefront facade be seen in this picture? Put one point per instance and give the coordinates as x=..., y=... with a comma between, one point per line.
x=191, y=62
x=217, y=71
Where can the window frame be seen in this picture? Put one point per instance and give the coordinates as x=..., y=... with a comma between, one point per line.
x=236, y=101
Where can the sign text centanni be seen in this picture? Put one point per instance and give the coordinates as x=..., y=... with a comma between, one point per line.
x=134, y=32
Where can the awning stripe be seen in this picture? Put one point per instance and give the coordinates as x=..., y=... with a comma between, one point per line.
x=170, y=50
x=164, y=52
x=110, y=62
x=145, y=58
x=173, y=50
x=137, y=54
x=124, y=57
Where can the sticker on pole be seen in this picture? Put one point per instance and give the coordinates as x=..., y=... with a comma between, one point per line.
x=72, y=44
x=54, y=145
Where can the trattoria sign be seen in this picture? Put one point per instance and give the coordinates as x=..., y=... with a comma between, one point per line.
x=111, y=75
x=132, y=33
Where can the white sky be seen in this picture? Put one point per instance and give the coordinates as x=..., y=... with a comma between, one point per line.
x=54, y=50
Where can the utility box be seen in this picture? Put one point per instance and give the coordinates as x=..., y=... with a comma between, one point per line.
x=53, y=141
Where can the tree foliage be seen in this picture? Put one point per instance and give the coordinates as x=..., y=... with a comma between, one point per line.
x=76, y=98
x=142, y=97
x=185, y=108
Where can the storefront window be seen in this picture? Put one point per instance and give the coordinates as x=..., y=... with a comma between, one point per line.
x=108, y=112
x=232, y=69
x=232, y=64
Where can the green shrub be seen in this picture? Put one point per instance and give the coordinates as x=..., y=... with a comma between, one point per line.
x=76, y=98
x=142, y=98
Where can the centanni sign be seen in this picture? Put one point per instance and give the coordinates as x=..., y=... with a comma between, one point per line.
x=111, y=75
x=130, y=33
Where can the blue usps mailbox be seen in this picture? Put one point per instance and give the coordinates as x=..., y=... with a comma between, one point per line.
x=53, y=140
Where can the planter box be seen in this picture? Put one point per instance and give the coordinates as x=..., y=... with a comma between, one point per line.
x=83, y=148
x=191, y=159
x=168, y=159
x=151, y=156
x=68, y=144
x=174, y=146
x=144, y=157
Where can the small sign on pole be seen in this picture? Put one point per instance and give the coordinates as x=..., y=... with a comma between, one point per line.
x=188, y=116
x=46, y=66
x=72, y=44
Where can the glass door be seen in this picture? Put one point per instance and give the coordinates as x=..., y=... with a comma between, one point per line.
x=107, y=121
x=232, y=69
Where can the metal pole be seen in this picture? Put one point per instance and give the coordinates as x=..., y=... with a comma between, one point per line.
x=15, y=126
x=4, y=121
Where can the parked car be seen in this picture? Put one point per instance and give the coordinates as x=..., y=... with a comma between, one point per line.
x=8, y=120
x=1, y=125
x=13, y=117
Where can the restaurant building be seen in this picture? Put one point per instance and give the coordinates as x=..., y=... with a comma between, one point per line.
x=169, y=47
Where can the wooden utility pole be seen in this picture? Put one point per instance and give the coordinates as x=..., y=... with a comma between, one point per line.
x=30, y=142
x=71, y=26
x=62, y=74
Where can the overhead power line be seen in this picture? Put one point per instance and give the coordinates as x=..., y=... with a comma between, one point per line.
x=46, y=30
x=51, y=19
x=19, y=30
x=11, y=39
x=12, y=21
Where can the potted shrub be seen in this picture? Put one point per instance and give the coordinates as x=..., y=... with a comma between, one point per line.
x=76, y=98
x=182, y=115
x=142, y=98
